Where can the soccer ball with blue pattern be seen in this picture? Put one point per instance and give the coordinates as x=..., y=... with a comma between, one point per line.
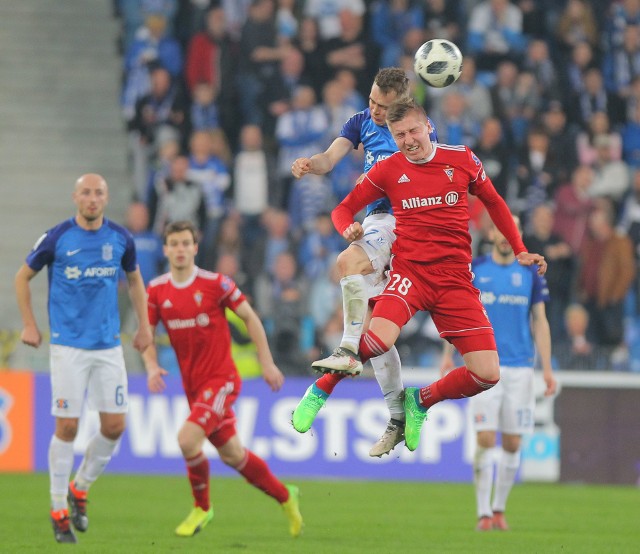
x=438, y=62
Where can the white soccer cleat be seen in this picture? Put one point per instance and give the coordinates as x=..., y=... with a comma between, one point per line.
x=393, y=435
x=342, y=360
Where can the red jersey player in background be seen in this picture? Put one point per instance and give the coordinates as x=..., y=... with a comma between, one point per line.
x=191, y=302
x=427, y=184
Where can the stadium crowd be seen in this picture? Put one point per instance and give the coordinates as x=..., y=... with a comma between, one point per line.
x=220, y=96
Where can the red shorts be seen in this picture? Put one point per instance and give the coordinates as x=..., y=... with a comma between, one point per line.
x=446, y=292
x=211, y=408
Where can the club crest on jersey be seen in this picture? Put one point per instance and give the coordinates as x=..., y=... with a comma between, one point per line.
x=449, y=172
x=107, y=252
x=197, y=296
x=516, y=279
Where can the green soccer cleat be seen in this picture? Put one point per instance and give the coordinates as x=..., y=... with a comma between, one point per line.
x=195, y=522
x=416, y=415
x=292, y=510
x=308, y=408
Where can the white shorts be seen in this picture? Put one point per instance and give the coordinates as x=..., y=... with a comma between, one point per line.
x=508, y=406
x=99, y=373
x=377, y=241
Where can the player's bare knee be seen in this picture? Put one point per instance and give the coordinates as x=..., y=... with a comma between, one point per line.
x=66, y=429
x=113, y=430
x=353, y=261
x=232, y=457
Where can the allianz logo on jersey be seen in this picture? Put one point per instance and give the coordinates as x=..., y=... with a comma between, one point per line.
x=450, y=199
x=201, y=320
x=74, y=272
x=370, y=159
x=489, y=298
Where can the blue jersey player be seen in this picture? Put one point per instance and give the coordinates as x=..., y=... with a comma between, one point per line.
x=363, y=264
x=514, y=297
x=83, y=256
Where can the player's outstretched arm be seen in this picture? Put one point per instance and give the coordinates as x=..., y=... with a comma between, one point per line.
x=324, y=162
x=542, y=339
x=143, y=337
x=270, y=372
x=30, y=334
x=155, y=373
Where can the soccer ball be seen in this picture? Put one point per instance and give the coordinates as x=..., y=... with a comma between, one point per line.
x=438, y=62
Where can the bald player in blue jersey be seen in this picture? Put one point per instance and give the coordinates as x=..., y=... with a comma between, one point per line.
x=514, y=297
x=83, y=256
x=363, y=264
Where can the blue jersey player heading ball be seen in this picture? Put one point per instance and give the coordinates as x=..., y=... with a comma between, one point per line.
x=363, y=264
x=83, y=256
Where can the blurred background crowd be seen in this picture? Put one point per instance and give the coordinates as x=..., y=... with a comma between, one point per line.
x=219, y=97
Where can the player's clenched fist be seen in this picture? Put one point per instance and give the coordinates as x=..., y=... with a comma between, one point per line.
x=300, y=167
x=353, y=232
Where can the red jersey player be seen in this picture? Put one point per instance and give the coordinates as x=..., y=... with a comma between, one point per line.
x=427, y=184
x=191, y=302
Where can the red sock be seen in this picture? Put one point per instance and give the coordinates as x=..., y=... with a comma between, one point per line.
x=371, y=346
x=257, y=472
x=329, y=381
x=198, y=472
x=459, y=383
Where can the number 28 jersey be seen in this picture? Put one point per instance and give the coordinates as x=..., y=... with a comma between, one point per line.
x=193, y=313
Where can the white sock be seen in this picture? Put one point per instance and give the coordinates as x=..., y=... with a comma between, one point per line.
x=483, y=479
x=97, y=456
x=387, y=369
x=505, y=478
x=354, y=304
x=60, y=468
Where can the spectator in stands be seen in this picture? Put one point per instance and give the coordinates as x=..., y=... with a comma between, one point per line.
x=300, y=132
x=537, y=61
x=537, y=171
x=494, y=33
x=164, y=106
x=204, y=110
x=325, y=299
x=177, y=198
x=151, y=260
x=476, y=93
x=214, y=178
x=631, y=140
x=576, y=352
x=150, y=46
x=580, y=61
x=282, y=301
x=211, y=58
x=454, y=120
x=390, y=20
x=611, y=177
x=595, y=98
x=562, y=139
x=607, y=271
x=308, y=42
x=492, y=150
x=559, y=256
x=573, y=206
x=621, y=14
x=320, y=247
x=272, y=242
x=134, y=13
x=286, y=21
x=255, y=183
x=258, y=60
x=576, y=25
x=622, y=64
x=351, y=50
x=442, y=20
x=599, y=125
x=327, y=14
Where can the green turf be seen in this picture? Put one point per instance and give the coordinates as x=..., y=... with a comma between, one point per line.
x=135, y=514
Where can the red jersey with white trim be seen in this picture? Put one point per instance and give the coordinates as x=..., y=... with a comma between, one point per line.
x=430, y=203
x=193, y=314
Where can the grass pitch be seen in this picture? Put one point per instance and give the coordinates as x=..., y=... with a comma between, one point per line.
x=137, y=514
